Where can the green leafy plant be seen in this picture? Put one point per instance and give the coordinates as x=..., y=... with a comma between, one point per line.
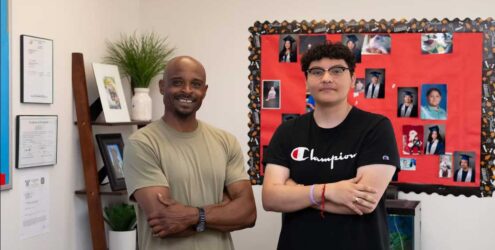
x=120, y=217
x=139, y=57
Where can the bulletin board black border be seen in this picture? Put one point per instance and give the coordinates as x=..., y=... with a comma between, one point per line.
x=487, y=86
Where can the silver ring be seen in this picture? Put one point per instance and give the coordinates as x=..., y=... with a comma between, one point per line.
x=356, y=199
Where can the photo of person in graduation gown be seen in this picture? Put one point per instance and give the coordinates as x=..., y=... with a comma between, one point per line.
x=352, y=42
x=408, y=106
x=465, y=171
x=435, y=144
x=375, y=88
x=288, y=52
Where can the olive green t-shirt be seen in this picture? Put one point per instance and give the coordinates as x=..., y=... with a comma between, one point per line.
x=195, y=166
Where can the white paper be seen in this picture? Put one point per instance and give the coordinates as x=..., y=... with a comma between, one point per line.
x=37, y=70
x=37, y=141
x=35, y=202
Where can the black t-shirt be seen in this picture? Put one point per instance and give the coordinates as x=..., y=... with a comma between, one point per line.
x=316, y=155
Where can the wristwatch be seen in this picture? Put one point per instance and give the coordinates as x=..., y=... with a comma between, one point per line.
x=202, y=220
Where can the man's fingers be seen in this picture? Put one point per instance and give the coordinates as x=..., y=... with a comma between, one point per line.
x=355, y=209
x=364, y=188
x=365, y=203
x=366, y=197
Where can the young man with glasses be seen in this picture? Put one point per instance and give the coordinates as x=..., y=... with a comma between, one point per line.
x=327, y=170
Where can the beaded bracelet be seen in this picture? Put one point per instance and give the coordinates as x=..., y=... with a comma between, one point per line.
x=312, y=195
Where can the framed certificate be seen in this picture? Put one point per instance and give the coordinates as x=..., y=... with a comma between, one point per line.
x=36, y=140
x=36, y=70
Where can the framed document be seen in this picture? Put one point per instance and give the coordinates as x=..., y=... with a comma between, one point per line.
x=36, y=140
x=112, y=152
x=111, y=93
x=36, y=70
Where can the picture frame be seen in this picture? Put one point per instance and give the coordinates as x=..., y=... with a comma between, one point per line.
x=111, y=93
x=271, y=94
x=36, y=70
x=112, y=153
x=36, y=137
x=5, y=166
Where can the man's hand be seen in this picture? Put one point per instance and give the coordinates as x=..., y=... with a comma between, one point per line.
x=175, y=219
x=357, y=197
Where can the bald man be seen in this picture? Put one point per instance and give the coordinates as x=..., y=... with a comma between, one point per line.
x=186, y=176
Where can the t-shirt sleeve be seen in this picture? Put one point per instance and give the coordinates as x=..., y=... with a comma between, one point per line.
x=141, y=167
x=277, y=150
x=235, y=163
x=379, y=146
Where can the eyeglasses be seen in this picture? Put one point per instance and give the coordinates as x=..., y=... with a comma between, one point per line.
x=319, y=72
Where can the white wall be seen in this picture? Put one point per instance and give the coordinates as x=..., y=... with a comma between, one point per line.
x=75, y=26
x=216, y=32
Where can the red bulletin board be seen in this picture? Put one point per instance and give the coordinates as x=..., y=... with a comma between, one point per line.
x=463, y=71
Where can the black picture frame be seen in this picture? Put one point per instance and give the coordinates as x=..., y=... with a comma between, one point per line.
x=36, y=141
x=112, y=153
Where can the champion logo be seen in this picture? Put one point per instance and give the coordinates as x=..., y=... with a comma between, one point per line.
x=299, y=154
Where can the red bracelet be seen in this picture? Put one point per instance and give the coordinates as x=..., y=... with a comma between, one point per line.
x=322, y=202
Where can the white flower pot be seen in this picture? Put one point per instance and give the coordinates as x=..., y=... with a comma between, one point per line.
x=123, y=240
x=141, y=105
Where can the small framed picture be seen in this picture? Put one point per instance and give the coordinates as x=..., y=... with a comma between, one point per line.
x=376, y=44
x=412, y=139
x=36, y=137
x=111, y=93
x=355, y=43
x=375, y=83
x=287, y=49
x=112, y=152
x=464, y=166
x=434, y=102
x=408, y=164
x=434, y=139
x=308, y=41
x=445, y=166
x=359, y=86
x=407, y=102
x=436, y=43
x=271, y=94
x=36, y=70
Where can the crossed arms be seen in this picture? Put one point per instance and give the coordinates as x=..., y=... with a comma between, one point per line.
x=359, y=195
x=169, y=218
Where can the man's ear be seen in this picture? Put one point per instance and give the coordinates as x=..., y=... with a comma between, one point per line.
x=353, y=80
x=161, y=85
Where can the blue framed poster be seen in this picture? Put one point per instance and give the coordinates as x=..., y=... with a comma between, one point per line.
x=5, y=167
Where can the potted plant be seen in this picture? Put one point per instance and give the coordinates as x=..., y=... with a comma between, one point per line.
x=140, y=58
x=121, y=218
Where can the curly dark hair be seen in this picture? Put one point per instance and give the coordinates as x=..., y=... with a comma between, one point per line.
x=329, y=50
